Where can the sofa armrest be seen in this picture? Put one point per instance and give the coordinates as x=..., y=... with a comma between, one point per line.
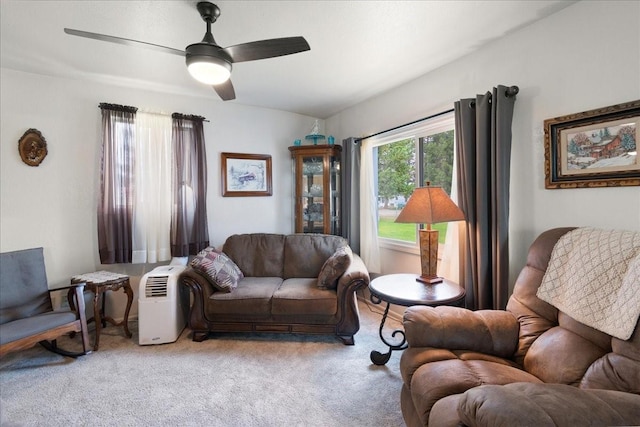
x=529, y=404
x=201, y=290
x=356, y=275
x=493, y=332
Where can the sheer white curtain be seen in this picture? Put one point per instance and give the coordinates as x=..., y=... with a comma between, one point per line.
x=152, y=199
x=369, y=248
x=449, y=264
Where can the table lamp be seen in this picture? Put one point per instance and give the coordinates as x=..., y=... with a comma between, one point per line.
x=429, y=205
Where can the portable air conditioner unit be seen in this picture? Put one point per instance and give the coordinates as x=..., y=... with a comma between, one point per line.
x=162, y=306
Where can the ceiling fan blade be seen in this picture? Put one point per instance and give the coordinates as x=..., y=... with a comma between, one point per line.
x=267, y=48
x=121, y=40
x=225, y=90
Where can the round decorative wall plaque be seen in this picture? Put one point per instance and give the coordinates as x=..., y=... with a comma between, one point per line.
x=32, y=147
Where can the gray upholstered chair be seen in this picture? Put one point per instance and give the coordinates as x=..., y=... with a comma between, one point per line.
x=26, y=313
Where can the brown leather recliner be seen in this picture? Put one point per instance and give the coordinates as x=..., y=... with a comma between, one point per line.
x=528, y=365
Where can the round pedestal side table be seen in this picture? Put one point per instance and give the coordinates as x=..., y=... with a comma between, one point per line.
x=405, y=290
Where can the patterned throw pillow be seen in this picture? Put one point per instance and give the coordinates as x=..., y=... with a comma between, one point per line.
x=334, y=267
x=218, y=268
x=203, y=255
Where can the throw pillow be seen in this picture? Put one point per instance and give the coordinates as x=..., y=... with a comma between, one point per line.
x=334, y=267
x=218, y=268
x=204, y=254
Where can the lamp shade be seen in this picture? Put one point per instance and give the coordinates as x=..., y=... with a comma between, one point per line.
x=429, y=205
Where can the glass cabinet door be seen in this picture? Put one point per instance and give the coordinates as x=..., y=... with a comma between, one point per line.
x=313, y=194
x=334, y=193
x=317, y=184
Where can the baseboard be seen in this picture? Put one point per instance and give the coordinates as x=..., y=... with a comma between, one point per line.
x=91, y=327
x=395, y=312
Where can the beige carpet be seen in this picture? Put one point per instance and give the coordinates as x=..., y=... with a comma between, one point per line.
x=228, y=380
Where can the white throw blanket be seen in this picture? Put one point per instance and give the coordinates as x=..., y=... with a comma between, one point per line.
x=594, y=277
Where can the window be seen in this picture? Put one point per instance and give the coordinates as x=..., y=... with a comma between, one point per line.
x=149, y=161
x=408, y=158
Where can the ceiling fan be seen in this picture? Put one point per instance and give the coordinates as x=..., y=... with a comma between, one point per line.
x=206, y=61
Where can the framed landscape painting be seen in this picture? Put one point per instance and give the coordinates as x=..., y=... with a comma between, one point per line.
x=596, y=148
x=245, y=175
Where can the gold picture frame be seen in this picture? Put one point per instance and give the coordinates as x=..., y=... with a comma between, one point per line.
x=246, y=175
x=596, y=148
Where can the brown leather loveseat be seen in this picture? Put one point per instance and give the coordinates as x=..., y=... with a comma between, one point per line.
x=279, y=289
x=531, y=364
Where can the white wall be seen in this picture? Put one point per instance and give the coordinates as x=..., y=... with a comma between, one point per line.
x=54, y=205
x=586, y=56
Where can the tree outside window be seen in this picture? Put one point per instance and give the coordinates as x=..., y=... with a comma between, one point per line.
x=406, y=164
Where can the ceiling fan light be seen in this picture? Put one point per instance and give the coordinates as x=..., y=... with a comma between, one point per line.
x=209, y=70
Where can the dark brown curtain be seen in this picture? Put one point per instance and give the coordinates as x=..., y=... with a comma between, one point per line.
x=115, y=205
x=483, y=144
x=189, y=228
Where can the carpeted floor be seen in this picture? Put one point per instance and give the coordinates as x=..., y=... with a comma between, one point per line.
x=228, y=380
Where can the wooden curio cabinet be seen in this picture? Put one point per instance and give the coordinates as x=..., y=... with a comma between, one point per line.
x=316, y=171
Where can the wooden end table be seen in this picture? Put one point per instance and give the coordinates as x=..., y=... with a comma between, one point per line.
x=405, y=290
x=100, y=282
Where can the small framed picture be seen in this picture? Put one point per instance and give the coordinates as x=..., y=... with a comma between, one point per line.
x=596, y=148
x=246, y=175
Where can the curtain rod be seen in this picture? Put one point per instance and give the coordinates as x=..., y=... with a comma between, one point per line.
x=157, y=113
x=188, y=117
x=127, y=108
x=510, y=91
x=357, y=140
x=117, y=107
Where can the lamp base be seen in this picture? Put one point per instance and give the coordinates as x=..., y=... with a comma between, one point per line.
x=429, y=256
x=429, y=280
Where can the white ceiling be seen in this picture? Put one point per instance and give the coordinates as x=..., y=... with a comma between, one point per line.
x=358, y=48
